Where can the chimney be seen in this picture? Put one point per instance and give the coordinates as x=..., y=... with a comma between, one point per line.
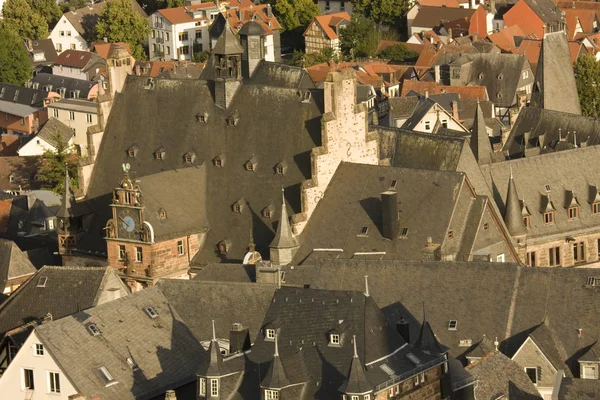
x=455, y=110
x=449, y=35
x=389, y=214
x=269, y=11
x=426, y=93
x=170, y=395
x=403, y=330
x=436, y=70
x=239, y=338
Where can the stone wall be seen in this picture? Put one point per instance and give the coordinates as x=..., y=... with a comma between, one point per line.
x=530, y=356
x=429, y=389
x=542, y=250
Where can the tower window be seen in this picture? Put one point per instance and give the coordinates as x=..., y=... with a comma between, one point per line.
x=595, y=208
x=180, y=249
x=549, y=217
x=270, y=334
x=189, y=157
x=202, y=386
x=271, y=394
x=573, y=212
x=121, y=252
x=526, y=221
x=214, y=387
x=139, y=255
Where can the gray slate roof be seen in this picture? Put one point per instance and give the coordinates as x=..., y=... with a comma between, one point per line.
x=554, y=87
x=165, y=351
x=56, y=82
x=282, y=129
x=67, y=290
x=53, y=131
x=13, y=262
x=579, y=389
x=498, y=375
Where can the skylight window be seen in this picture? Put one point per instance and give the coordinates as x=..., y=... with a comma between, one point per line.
x=404, y=232
x=94, y=330
x=393, y=183
x=548, y=188
x=414, y=359
x=108, y=378
x=151, y=312
x=364, y=231
x=386, y=368
x=42, y=281
x=452, y=325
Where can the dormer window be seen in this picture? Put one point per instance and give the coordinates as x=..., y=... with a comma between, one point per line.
x=238, y=206
x=281, y=168
x=232, y=120
x=189, y=157
x=334, y=339
x=219, y=161
x=93, y=329
x=270, y=334
x=132, y=151
x=251, y=164
x=481, y=76
x=202, y=117
x=160, y=154
x=526, y=221
x=573, y=212
x=271, y=394
x=267, y=212
x=452, y=324
x=549, y=217
x=596, y=208
x=224, y=246
x=162, y=213
x=500, y=76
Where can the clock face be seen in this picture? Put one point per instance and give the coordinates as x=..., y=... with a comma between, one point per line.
x=128, y=223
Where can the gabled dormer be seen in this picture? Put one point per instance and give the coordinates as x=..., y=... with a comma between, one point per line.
x=547, y=208
x=356, y=386
x=160, y=154
x=589, y=363
x=251, y=164
x=133, y=151
x=594, y=199
x=571, y=204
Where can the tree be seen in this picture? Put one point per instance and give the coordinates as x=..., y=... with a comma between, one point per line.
x=150, y=6
x=301, y=59
x=360, y=37
x=293, y=14
x=15, y=67
x=381, y=11
x=24, y=20
x=54, y=165
x=47, y=9
x=587, y=79
x=398, y=53
x=200, y=56
x=120, y=23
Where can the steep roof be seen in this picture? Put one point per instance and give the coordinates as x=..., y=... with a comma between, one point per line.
x=184, y=14
x=13, y=262
x=54, y=131
x=103, y=49
x=11, y=97
x=227, y=43
x=283, y=115
x=76, y=58
x=464, y=92
x=259, y=14
x=554, y=87
x=328, y=21
x=45, y=47
x=284, y=237
x=498, y=375
x=545, y=9
x=429, y=17
x=480, y=141
x=356, y=379
x=513, y=213
x=56, y=82
x=84, y=19
x=127, y=332
x=578, y=389
x=65, y=291
x=68, y=199
x=275, y=377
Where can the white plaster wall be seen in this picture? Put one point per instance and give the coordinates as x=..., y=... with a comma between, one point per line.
x=345, y=137
x=269, y=48
x=35, y=147
x=335, y=6
x=80, y=125
x=66, y=41
x=11, y=383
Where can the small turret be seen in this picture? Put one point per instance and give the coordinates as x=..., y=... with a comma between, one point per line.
x=480, y=141
x=226, y=62
x=68, y=223
x=209, y=378
x=356, y=383
x=252, y=38
x=275, y=378
x=427, y=341
x=513, y=215
x=284, y=246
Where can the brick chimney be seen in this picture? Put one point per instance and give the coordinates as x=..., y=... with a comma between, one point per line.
x=239, y=338
x=389, y=214
x=403, y=329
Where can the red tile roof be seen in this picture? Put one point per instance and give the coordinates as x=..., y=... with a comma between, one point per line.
x=179, y=15
x=326, y=21
x=585, y=17
x=9, y=144
x=103, y=48
x=5, y=206
x=74, y=58
x=464, y=92
x=439, y=3
x=530, y=48
x=252, y=12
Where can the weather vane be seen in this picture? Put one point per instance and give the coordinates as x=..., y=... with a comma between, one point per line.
x=126, y=167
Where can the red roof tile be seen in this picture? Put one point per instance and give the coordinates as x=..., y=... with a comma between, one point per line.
x=464, y=92
x=324, y=21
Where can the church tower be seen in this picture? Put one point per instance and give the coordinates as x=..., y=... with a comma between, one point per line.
x=284, y=246
x=227, y=66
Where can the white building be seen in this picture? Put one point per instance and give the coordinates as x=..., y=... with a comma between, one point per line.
x=79, y=115
x=176, y=33
x=335, y=6
x=47, y=139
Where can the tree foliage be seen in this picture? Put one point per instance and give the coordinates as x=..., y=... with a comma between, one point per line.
x=20, y=15
x=47, y=9
x=293, y=14
x=54, y=165
x=398, y=53
x=301, y=59
x=200, y=56
x=150, y=6
x=360, y=37
x=120, y=23
x=15, y=67
x=381, y=11
x=587, y=79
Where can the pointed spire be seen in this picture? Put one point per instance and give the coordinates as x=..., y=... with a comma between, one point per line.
x=68, y=199
x=276, y=377
x=513, y=214
x=427, y=340
x=215, y=358
x=356, y=381
x=227, y=43
x=480, y=141
x=284, y=238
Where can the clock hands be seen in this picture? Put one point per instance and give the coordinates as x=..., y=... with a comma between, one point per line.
x=125, y=222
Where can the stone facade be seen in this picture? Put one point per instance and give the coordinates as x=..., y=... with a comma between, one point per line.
x=530, y=356
x=425, y=386
x=542, y=248
x=345, y=137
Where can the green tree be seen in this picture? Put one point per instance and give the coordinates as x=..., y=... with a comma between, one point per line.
x=54, y=164
x=360, y=37
x=200, y=56
x=22, y=18
x=150, y=6
x=72, y=4
x=301, y=59
x=120, y=23
x=381, y=11
x=47, y=9
x=398, y=53
x=587, y=79
x=293, y=14
x=15, y=67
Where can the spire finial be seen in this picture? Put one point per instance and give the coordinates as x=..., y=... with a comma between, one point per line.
x=214, y=332
x=366, y=285
x=424, y=313
x=496, y=343
x=354, y=341
x=511, y=174
x=276, y=347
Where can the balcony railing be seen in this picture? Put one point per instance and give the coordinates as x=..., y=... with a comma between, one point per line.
x=419, y=368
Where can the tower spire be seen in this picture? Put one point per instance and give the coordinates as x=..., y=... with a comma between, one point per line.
x=275, y=377
x=480, y=141
x=68, y=198
x=513, y=215
x=356, y=382
x=284, y=245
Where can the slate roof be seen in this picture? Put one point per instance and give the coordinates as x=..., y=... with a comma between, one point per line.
x=572, y=170
x=56, y=82
x=21, y=101
x=67, y=291
x=126, y=332
x=579, y=389
x=42, y=46
x=281, y=75
x=227, y=272
x=554, y=87
x=485, y=71
x=168, y=117
x=480, y=141
x=198, y=301
x=498, y=375
x=13, y=262
x=84, y=19
x=54, y=129
x=546, y=10
x=537, y=130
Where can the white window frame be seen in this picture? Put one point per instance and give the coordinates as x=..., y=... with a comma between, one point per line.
x=55, y=112
x=270, y=334
x=51, y=224
x=500, y=258
x=139, y=254
x=89, y=118
x=271, y=394
x=180, y=248
x=71, y=115
x=202, y=386
x=334, y=339
x=427, y=125
x=38, y=350
x=594, y=373
x=214, y=387
x=52, y=378
x=23, y=387
x=537, y=378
